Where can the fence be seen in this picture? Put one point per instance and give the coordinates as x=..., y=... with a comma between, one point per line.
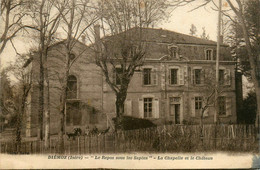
x=170, y=138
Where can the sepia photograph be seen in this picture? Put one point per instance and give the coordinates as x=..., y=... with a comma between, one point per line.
x=129, y=84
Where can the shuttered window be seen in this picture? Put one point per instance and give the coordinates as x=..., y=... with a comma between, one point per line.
x=147, y=76
x=221, y=77
x=150, y=76
x=173, y=76
x=197, y=76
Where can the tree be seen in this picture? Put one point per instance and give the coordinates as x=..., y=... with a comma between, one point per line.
x=45, y=23
x=122, y=49
x=77, y=17
x=249, y=109
x=193, y=30
x=246, y=15
x=20, y=92
x=204, y=35
x=249, y=21
x=6, y=97
x=12, y=14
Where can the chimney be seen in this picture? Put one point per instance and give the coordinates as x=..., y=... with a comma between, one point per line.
x=97, y=32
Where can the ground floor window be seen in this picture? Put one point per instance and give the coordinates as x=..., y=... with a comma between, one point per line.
x=198, y=103
x=148, y=107
x=73, y=114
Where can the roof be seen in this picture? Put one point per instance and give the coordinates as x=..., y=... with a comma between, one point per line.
x=167, y=36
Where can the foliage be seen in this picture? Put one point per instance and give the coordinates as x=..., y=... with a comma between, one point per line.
x=236, y=40
x=204, y=35
x=248, y=113
x=130, y=123
x=193, y=30
x=6, y=98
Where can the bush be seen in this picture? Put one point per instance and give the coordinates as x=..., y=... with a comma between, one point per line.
x=129, y=123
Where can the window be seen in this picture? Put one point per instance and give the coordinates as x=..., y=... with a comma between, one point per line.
x=93, y=117
x=118, y=74
x=73, y=115
x=148, y=107
x=147, y=76
x=221, y=77
x=222, y=105
x=209, y=54
x=174, y=76
x=173, y=51
x=198, y=103
x=72, y=87
x=197, y=74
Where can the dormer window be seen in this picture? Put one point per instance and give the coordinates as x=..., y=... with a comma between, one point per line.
x=173, y=51
x=209, y=54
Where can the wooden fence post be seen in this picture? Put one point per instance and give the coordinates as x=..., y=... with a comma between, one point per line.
x=90, y=144
x=78, y=145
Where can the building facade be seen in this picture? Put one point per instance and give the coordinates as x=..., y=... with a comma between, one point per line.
x=176, y=81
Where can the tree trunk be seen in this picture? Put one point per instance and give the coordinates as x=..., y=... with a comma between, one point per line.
x=120, y=102
x=63, y=106
x=20, y=118
x=18, y=132
x=62, y=118
x=252, y=60
x=47, y=113
x=254, y=69
x=201, y=117
x=41, y=99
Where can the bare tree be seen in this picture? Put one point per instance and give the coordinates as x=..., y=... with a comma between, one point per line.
x=122, y=49
x=77, y=17
x=45, y=24
x=250, y=33
x=12, y=14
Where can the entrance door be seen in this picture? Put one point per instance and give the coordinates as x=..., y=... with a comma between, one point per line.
x=175, y=113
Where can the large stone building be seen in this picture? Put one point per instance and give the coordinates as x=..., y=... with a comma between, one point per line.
x=171, y=86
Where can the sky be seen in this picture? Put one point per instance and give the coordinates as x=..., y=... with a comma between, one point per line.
x=180, y=21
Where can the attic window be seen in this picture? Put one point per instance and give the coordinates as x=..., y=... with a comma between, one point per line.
x=209, y=54
x=173, y=51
